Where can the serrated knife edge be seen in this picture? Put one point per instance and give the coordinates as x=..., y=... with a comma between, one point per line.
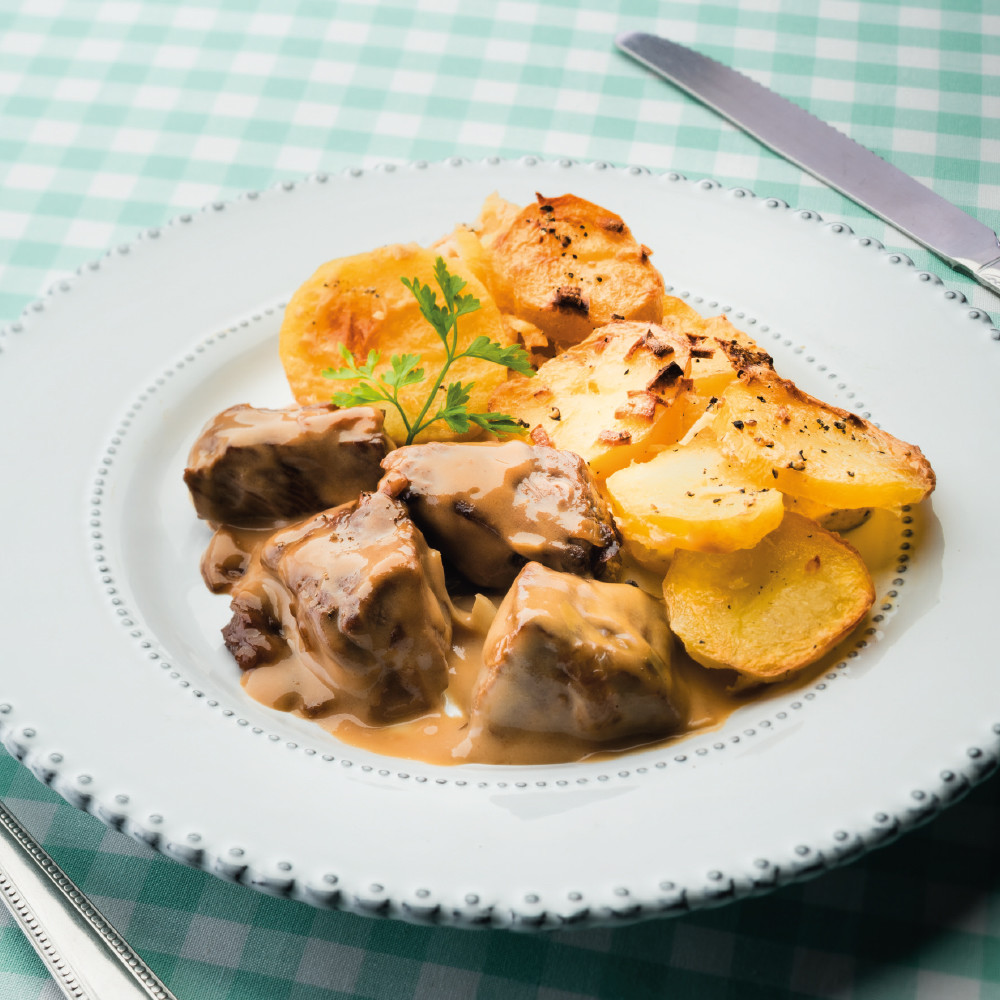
x=826, y=153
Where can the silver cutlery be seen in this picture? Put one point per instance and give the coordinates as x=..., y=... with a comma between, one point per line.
x=957, y=238
x=86, y=956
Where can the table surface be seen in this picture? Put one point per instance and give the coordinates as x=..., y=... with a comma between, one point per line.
x=120, y=115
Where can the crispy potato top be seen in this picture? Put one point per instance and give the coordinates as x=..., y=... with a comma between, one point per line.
x=604, y=398
x=786, y=438
x=567, y=266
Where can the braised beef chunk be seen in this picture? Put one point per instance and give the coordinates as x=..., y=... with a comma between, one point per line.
x=578, y=658
x=492, y=508
x=257, y=468
x=253, y=635
x=370, y=605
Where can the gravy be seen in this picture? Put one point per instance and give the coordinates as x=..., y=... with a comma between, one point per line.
x=445, y=735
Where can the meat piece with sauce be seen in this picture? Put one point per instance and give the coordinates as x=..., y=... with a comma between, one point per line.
x=357, y=592
x=578, y=658
x=254, y=634
x=490, y=508
x=259, y=468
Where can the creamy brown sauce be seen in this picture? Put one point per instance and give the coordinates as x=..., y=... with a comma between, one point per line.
x=298, y=683
x=443, y=738
x=490, y=507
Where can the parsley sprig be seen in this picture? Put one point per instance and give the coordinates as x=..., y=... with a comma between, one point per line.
x=406, y=369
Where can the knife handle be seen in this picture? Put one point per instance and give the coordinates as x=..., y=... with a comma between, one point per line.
x=86, y=956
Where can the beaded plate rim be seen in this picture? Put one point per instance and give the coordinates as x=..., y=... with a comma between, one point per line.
x=574, y=909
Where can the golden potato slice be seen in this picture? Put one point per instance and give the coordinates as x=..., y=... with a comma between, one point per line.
x=785, y=438
x=540, y=349
x=361, y=302
x=496, y=216
x=673, y=306
x=527, y=333
x=770, y=610
x=569, y=266
x=711, y=368
x=690, y=497
x=463, y=243
x=604, y=398
x=831, y=518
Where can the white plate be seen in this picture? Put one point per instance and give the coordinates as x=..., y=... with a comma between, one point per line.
x=117, y=690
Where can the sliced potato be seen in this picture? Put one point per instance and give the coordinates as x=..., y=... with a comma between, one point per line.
x=712, y=370
x=691, y=497
x=569, y=266
x=784, y=437
x=673, y=306
x=605, y=398
x=495, y=217
x=464, y=244
x=538, y=346
x=831, y=518
x=768, y=611
x=361, y=302
x=527, y=333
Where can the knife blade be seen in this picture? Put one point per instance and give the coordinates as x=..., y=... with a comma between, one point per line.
x=956, y=237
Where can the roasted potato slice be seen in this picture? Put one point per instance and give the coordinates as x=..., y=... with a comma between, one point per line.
x=712, y=370
x=785, y=438
x=495, y=217
x=714, y=340
x=464, y=244
x=568, y=266
x=768, y=611
x=831, y=518
x=528, y=334
x=474, y=245
x=361, y=302
x=673, y=306
x=605, y=398
x=690, y=497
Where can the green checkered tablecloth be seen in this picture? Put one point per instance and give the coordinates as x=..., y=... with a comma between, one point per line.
x=118, y=115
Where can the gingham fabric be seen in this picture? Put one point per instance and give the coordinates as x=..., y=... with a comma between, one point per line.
x=119, y=115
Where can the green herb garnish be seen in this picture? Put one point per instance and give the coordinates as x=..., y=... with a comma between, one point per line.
x=405, y=368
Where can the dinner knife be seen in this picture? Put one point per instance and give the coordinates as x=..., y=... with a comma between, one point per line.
x=957, y=238
x=87, y=957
